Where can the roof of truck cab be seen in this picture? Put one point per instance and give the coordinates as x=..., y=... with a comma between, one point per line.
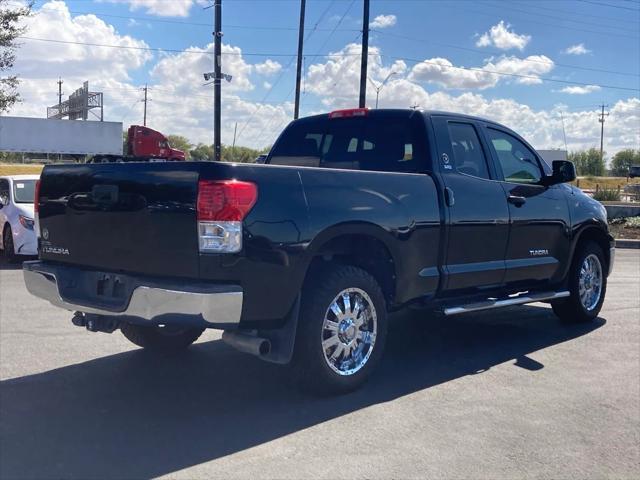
x=409, y=111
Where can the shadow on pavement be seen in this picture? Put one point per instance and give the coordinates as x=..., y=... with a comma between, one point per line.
x=135, y=415
x=14, y=265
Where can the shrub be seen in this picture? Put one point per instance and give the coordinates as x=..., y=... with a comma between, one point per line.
x=607, y=195
x=632, y=222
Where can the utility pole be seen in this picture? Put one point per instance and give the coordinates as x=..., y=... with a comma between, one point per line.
x=296, y=108
x=235, y=131
x=217, y=90
x=365, y=55
x=601, y=118
x=60, y=82
x=564, y=133
x=144, y=120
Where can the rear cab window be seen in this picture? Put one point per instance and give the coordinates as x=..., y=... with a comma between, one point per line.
x=469, y=158
x=384, y=142
x=24, y=191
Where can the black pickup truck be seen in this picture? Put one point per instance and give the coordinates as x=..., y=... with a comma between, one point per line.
x=354, y=214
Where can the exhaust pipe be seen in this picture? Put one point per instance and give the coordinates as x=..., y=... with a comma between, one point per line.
x=243, y=342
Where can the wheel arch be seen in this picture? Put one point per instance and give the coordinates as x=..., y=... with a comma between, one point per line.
x=363, y=245
x=596, y=234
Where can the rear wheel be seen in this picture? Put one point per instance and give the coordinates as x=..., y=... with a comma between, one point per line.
x=587, y=286
x=165, y=339
x=341, y=331
x=7, y=244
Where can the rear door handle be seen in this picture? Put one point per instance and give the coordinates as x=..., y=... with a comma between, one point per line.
x=448, y=197
x=517, y=201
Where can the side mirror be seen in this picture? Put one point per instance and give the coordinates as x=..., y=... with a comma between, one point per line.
x=563, y=171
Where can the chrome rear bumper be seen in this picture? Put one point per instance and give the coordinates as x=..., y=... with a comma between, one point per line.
x=217, y=304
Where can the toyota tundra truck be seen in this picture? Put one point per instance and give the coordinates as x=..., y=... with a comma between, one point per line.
x=354, y=214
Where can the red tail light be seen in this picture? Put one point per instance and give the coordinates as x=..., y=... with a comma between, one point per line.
x=226, y=200
x=36, y=200
x=352, y=112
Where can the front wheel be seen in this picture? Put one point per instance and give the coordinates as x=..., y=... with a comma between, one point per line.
x=587, y=286
x=162, y=339
x=7, y=244
x=342, y=330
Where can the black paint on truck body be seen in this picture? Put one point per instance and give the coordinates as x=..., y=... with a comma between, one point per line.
x=446, y=232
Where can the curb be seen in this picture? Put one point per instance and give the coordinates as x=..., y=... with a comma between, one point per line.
x=622, y=243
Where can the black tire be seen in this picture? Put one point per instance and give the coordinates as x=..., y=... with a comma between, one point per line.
x=165, y=340
x=571, y=309
x=7, y=244
x=310, y=362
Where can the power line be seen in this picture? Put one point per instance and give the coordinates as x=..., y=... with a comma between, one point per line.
x=609, y=5
x=580, y=14
x=277, y=81
x=197, y=24
x=564, y=19
x=541, y=22
x=336, y=55
x=495, y=52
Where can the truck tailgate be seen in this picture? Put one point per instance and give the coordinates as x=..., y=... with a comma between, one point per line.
x=130, y=217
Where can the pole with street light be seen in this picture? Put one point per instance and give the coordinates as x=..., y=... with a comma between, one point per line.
x=379, y=87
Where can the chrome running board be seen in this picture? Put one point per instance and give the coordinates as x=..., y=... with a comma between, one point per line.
x=506, y=302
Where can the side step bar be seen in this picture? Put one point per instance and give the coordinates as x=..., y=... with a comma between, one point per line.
x=506, y=302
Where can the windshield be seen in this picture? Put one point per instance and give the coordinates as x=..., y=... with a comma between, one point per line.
x=24, y=191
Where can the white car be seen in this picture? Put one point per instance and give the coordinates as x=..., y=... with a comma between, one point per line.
x=17, y=193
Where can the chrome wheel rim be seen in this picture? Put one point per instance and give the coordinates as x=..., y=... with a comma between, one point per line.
x=590, y=282
x=349, y=331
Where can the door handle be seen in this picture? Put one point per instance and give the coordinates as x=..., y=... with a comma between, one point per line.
x=517, y=201
x=448, y=197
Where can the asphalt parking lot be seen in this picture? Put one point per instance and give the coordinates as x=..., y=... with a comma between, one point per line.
x=504, y=394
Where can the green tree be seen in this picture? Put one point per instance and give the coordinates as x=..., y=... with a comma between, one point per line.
x=623, y=160
x=239, y=154
x=588, y=162
x=202, y=152
x=11, y=17
x=181, y=143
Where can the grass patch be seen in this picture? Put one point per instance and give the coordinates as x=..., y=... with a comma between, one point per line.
x=589, y=183
x=19, y=169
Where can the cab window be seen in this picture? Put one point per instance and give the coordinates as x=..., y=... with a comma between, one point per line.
x=519, y=164
x=469, y=157
x=378, y=144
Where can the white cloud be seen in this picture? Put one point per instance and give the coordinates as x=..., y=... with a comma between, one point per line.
x=49, y=60
x=184, y=70
x=578, y=49
x=268, y=67
x=580, y=90
x=162, y=8
x=442, y=72
x=383, y=21
x=180, y=104
x=530, y=68
x=339, y=76
x=501, y=37
x=543, y=128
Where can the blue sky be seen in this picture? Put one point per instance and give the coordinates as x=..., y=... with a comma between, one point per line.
x=467, y=47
